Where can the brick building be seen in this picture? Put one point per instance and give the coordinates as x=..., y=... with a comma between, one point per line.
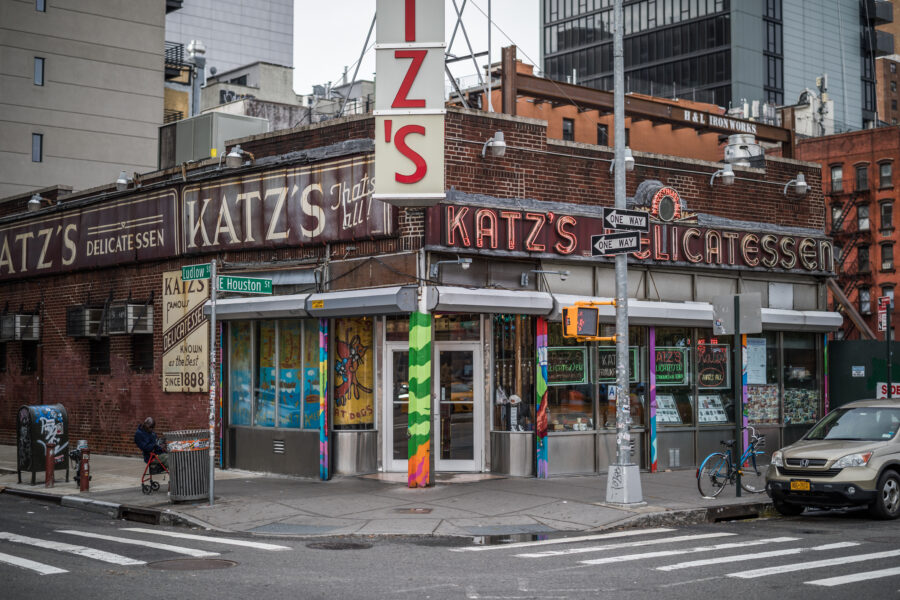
x=494, y=263
x=859, y=189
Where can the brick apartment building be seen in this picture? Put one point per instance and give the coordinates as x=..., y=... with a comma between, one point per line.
x=496, y=260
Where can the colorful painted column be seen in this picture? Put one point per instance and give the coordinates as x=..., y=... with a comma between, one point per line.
x=419, y=400
x=654, y=466
x=746, y=411
x=324, y=473
x=541, y=445
x=825, y=397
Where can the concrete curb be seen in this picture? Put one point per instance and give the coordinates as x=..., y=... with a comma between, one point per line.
x=153, y=516
x=694, y=516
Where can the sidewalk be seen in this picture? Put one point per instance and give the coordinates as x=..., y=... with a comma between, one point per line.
x=458, y=505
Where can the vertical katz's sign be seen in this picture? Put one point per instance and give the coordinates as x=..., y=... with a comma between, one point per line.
x=185, y=351
x=409, y=102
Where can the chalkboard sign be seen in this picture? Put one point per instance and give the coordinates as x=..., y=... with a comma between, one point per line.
x=671, y=365
x=713, y=366
x=566, y=365
x=606, y=369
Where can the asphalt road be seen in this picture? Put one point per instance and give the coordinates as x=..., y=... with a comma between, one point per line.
x=60, y=552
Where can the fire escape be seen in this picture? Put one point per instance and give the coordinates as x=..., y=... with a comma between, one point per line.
x=853, y=268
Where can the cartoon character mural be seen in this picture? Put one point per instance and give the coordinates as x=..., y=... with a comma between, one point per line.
x=353, y=385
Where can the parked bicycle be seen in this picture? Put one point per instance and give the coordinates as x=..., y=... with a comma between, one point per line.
x=719, y=468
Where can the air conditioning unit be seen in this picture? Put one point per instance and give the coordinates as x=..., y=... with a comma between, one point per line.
x=83, y=321
x=128, y=318
x=20, y=327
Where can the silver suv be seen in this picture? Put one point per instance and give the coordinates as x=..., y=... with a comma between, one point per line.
x=849, y=458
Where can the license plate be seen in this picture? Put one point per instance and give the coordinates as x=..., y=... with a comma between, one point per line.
x=799, y=486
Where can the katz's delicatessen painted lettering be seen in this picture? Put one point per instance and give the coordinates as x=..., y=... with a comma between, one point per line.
x=685, y=243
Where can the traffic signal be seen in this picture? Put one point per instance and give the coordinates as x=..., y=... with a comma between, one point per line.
x=581, y=321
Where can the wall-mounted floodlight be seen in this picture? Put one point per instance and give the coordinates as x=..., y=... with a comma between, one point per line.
x=34, y=203
x=523, y=280
x=497, y=145
x=465, y=263
x=123, y=181
x=629, y=162
x=726, y=175
x=235, y=158
x=800, y=185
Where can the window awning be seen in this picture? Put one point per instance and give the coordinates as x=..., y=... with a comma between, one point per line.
x=372, y=301
x=259, y=307
x=484, y=300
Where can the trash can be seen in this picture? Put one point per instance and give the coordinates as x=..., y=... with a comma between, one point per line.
x=188, y=452
x=36, y=426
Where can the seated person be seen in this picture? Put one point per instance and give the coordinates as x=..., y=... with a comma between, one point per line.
x=147, y=441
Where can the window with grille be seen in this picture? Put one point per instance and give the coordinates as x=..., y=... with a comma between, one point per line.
x=884, y=175
x=29, y=357
x=865, y=301
x=837, y=179
x=568, y=130
x=887, y=215
x=887, y=257
x=602, y=134
x=142, y=353
x=99, y=356
x=862, y=178
x=862, y=218
x=862, y=259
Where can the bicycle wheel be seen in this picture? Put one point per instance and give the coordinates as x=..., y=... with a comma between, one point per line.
x=753, y=473
x=713, y=475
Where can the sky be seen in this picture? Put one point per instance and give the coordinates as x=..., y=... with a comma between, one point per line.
x=329, y=36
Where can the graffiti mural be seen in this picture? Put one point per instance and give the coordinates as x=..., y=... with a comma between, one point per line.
x=419, y=449
x=323, y=399
x=353, y=374
x=543, y=416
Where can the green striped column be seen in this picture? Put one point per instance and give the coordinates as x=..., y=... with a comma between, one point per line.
x=419, y=399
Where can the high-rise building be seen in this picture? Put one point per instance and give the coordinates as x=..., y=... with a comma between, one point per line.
x=236, y=32
x=724, y=51
x=81, y=91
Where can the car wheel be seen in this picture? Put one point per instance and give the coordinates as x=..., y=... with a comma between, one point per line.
x=788, y=510
x=887, y=499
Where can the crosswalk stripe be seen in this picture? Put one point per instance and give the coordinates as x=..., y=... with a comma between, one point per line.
x=205, y=538
x=564, y=540
x=662, y=553
x=116, y=559
x=758, y=555
x=671, y=540
x=843, y=560
x=868, y=575
x=142, y=543
x=30, y=564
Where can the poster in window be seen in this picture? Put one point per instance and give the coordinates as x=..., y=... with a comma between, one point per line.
x=710, y=409
x=713, y=366
x=666, y=410
x=311, y=375
x=354, y=373
x=289, y=382
x=566, y=365
x=756, y=361
x=762, y=404
x=606, y=365
x=265, y=390
x=671, y=365
x=800, y=406
x=239, y=338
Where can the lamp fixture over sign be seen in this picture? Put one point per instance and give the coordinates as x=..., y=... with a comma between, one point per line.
x=800, y=185
x=235, y=158
x=34, y=203
x=123, y=181
x=726, y=175
x=629, y=162
x=523, y=280
x=497, y=145
x=465, y=263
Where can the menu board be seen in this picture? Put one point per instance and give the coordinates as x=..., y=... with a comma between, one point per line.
x=606, y=369
x=713, y=366
x=566, y=365
x=671, y=365
x=666, y=411
x=711, y=409
x=756, y=361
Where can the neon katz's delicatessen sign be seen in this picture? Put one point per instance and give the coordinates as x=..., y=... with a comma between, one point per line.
x=558, y=235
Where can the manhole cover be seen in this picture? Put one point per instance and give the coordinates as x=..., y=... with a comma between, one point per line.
x=192, y=564
x=339, y=546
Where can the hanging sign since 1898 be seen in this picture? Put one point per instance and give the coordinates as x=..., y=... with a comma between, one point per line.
x=409, y=102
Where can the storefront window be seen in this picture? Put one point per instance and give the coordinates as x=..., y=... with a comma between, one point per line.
x=605, y=375
x=673, y=367
x=715, y=395
x=762, y=379
x=514, y=372
x=240, y=342
x=354, y=399
x=290, y=372
x=396, y=328
x=310, y=374
x=264, y=415
x=801, y=379
x=569, y=395
x=457, y=328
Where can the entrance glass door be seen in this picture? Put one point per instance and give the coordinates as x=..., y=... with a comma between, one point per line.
x=457, y=407
x=396, y=424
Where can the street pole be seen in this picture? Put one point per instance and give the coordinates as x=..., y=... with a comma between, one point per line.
x=738, y=387
x=212, y=381
x=623, y=481
x=888, y=353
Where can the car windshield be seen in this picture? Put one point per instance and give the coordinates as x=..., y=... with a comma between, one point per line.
x=861, y=423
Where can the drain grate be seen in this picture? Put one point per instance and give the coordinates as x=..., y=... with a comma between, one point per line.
x=339, y=546
x=413, y=511
x=192, y=564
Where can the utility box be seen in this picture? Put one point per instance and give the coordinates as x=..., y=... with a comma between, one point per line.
x=204, y=136
x=36, y=427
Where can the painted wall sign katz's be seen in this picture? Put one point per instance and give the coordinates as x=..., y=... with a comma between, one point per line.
x=679, y=240
x=185, y=344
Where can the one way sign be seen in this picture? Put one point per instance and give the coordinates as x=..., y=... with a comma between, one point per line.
x=632, y=220
x=615, y=243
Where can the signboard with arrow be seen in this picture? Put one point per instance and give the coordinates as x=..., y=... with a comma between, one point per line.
x=631, y=220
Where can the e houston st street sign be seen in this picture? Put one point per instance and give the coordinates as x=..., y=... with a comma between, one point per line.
x=244, y=285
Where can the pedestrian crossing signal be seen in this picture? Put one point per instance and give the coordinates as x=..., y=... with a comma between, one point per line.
x=581, y=321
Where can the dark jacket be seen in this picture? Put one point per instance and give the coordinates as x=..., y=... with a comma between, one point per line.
x=147, y=442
